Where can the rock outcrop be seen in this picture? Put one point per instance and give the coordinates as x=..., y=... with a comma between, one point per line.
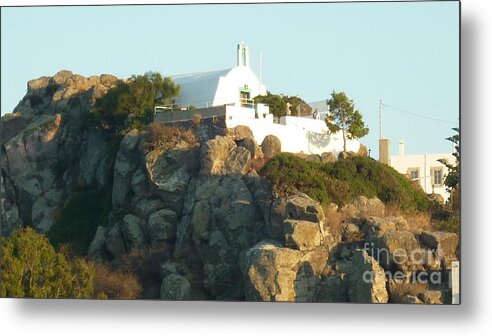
x=226, y=236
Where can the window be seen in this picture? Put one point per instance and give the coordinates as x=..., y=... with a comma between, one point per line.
x=414, y=175
x=437, y=176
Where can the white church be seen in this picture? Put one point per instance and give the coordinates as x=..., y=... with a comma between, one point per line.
x=230, y=94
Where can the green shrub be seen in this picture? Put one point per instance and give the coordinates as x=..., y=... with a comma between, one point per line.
x=343, y=180
x=31, y=268
x=79, y=219
x=278, y=104
x=131, y=103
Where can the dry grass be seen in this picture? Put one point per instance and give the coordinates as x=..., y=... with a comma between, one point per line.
x=157, y=135
x=417, y=220
x=145, y=263
x=333, y=221
x=113, y=284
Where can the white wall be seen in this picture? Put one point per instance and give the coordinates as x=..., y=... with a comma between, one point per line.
x=229, y=85
x=297, y=135
x=425, y=162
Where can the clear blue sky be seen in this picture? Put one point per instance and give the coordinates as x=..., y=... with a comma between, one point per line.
x=406, y=54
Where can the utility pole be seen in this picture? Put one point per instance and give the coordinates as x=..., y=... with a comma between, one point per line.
x=380, y=119
x=259, y=89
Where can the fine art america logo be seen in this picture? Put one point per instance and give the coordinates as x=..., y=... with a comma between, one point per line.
x=411, y=262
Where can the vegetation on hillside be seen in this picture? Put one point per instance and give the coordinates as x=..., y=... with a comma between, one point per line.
x=130, y=104
x=343, y=180
x=158, y=135
x=32, y=268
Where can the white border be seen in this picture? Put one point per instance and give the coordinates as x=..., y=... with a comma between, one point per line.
x=69, y=317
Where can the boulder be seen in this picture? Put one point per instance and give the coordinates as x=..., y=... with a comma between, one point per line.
x=96, y=160
x=123, y=168
x=299, y=207
x=239, y=133
x=161, y=227
x=362, y=150
x=270, y=272
x=200, y=220
x=250, y=144
x=140, y=185
x=377, y=226
x=115, y=243
x=221, y=156
x=61, y=77
x=351, y=232
x=132, y=231
x=275, y=273
x=98, y=244
x=108, y=80
x=366, y=278
x=11, y=124
x=271, y=146
x=443, y=246
x=169, y=173
x=35, y=144
x=214, y=155
x=332, y=289
x=398, y=249
x=143, y=207
x=9, y=218
x=175, y=287
x=328, y=157
x=238, y=162
x=39, y=83
x=302, y=235
x=446, y=242
x=363, y=207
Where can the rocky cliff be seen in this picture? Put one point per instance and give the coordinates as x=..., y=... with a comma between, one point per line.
x=201, y=198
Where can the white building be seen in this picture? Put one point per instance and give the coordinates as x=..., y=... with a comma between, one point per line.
x=229, y=94
x=238, y=85
x=424, y=169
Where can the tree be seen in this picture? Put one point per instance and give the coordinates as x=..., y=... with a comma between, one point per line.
x=453, y=178
x=275, y=102
x=132, y=102
x=343, y=117
x=31, y=268
x=278, y=104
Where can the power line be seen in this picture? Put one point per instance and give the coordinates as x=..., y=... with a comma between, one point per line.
x=419, y=115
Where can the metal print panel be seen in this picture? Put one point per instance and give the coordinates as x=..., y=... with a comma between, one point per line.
x=295, y=152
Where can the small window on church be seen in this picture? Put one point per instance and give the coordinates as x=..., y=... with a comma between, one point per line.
x=244, y=98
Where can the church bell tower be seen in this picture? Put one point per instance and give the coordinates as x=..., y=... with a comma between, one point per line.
x=242, y=55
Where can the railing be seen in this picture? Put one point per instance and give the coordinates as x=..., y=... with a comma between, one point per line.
x=243, y=102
